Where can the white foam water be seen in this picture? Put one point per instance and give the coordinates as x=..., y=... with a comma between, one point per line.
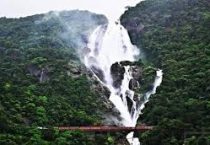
x=110, y=44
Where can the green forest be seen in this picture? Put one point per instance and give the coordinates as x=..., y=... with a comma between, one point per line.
x=41, y=80
x=43, y=83
x=175, y=36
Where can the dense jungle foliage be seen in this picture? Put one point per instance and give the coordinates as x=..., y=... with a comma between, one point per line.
x=42, y=85
x=175, y=36
x=37, y=87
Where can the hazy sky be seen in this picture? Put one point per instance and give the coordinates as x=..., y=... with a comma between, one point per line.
x=18, y=8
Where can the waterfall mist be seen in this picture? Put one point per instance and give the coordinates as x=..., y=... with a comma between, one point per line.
x=109, y=47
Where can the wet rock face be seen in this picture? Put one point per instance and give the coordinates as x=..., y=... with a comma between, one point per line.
x=75, y=69
x=110, y=113
x=33, y=70
x=103, y=94
x=44, y=75
x=125, y=63
x=117, y=72
x=98, y=72
x=133, y=84
x=97, y=86
x=130, y=103
x=41, y=74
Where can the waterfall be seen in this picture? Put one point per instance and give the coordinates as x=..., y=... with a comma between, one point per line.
x=110, y=45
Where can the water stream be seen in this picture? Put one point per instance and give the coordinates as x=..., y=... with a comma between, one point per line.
x=110, y=44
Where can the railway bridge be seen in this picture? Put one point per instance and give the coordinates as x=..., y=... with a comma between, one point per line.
x=140, y=128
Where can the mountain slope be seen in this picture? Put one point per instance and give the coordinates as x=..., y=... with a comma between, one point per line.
x=54, y=29
x=42, y=83
x=174, y=36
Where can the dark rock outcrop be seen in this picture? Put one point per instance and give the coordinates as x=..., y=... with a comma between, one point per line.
x=42, y=74
x=98, y=72
x=133, y=84
x=117, y=72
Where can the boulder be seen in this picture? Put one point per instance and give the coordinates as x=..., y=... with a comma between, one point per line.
x=133, y=84
x=117, y=72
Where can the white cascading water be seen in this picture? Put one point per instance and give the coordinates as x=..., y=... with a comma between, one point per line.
x=107, y=45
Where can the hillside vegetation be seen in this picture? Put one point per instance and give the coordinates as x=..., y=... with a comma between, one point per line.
x=41, y=80
x=43, y=83
x=175, y=36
